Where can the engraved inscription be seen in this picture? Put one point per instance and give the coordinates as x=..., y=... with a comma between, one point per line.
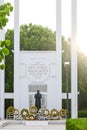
x=35, y=87
x=37, y=71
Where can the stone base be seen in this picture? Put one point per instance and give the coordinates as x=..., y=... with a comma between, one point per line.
x=3, y=123
x=36, y=123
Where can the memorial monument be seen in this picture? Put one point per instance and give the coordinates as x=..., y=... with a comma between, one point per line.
x=39, y=70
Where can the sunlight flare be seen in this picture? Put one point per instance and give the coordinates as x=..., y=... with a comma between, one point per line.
x=82, y=43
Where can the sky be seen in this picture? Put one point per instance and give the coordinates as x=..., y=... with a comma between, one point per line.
x=43, y=12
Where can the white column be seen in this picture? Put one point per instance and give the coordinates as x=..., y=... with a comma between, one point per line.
x=2, y=77
x=59, y=54
x=74, y=101
x=16, y=55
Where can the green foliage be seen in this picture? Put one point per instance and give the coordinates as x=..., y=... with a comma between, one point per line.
x=10, y=36
x=7, y=43
x=76, y=124
x=66, y=53
x=5, y=10
x=2, y=66
x=82, y=113
x=82, y=81
x=36, y=37
x=9, y=79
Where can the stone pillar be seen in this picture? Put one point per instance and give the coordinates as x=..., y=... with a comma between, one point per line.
x=16, y=54
x=74, y=98
x=59, y=54
x=2, y=77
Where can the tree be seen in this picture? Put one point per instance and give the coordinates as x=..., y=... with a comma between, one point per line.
x=82, y=80
x=4, y=51
x=36, y=37
x=66, y=55
x=9, y=62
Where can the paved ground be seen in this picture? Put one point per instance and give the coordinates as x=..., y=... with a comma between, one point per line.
x=51, y=126
x=22, y=127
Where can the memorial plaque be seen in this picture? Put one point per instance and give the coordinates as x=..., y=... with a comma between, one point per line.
x=37, y=71
x=40, y=87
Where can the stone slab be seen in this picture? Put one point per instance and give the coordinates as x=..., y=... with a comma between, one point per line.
x=3, y=123
x=36, y=123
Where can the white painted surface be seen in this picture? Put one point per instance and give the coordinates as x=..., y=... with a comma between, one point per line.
x=74, y=87
x=58, y=54
x=16, y=54
x=45, y=59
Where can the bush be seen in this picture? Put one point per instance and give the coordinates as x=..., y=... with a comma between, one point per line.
x=76, y=124
x=82, y=113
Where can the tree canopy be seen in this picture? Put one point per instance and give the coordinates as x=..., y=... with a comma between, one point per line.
x=34, y=37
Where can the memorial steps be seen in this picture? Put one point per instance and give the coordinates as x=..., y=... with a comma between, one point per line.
x=4, y=123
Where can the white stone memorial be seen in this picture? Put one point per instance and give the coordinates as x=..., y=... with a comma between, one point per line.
x=38, y=72
x=41, y=70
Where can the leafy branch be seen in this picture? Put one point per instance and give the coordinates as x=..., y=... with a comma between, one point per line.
x=5, y=11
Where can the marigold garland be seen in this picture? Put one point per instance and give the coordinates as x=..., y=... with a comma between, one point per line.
x=46, y=112
x=33, y=109
x=24, y=112
x=31, y=114
x=63, y=113
x=54, y=112
x=16, y=112
x=10, y=110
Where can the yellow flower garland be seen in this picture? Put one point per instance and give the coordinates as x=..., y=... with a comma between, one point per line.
x=33, y=110
x=10, y=110
x=30, y=117
x=24, y=112
x=63, y=113
x=16, y=112
x=54, y=112
x=46, y=112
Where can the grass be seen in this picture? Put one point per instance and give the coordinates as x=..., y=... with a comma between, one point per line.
x=76, y=124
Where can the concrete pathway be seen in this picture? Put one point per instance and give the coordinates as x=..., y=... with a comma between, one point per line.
x=22, y=127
